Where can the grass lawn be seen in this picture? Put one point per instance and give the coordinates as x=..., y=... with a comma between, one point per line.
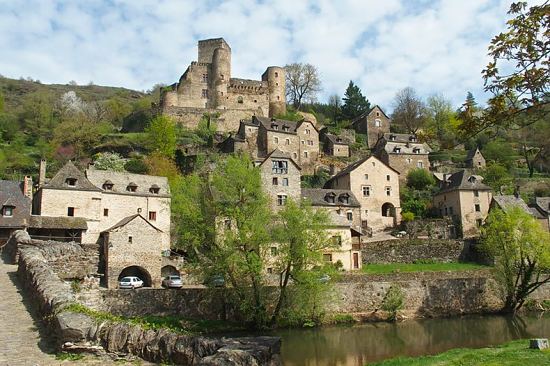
x=513, y=353
x=419, y=267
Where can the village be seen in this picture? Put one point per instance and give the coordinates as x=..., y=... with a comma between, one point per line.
x=211, y=220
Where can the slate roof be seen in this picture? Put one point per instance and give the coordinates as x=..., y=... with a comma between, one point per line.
x=58, y=222
x=471, y=154
x=401, y=137
x=268, y=123
x=364, y=114
x=506, y=202
x=337, y=140
x=392, y=147
x=462, y=180
x=543, y=204
x=127, y=220
x=12, y=195
x=69, y=170
x=121, y=180
x=356, y=164
x=317, y=196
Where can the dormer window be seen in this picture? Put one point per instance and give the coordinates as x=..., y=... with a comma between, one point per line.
x=338, y=139
x=71, y=182
x=344, y=198
x=392, y=137
x=108, y=185
x=132, y=187
x=472, y=179
x=274, y=126
x=285, y=128
x=416, y=150
x=330, y=197
x=7, y=211
x=154, y=189
x=397, y=150
x=412, y=138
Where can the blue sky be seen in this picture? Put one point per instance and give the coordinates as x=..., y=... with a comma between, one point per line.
x=433, y=46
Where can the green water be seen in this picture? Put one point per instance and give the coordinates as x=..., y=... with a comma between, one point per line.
x=357, y=345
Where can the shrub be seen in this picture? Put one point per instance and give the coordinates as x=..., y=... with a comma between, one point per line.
x=393, y=301
x=343, y=319
x=136, y=165
x=407, y=216
x=420, y=179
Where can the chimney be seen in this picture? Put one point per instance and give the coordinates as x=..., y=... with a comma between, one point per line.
x=27, y=186
x=516, y=192
x=42, y=173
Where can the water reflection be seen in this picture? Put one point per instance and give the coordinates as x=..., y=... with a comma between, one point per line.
x=357, y=345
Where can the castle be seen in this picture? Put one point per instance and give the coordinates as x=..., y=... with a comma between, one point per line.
x=207, y=87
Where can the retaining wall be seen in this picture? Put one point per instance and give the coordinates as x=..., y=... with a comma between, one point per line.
x=411, y=250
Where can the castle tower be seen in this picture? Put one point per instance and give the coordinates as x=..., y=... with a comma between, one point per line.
x=220, y=75
x=276, y=79
x=207, y=48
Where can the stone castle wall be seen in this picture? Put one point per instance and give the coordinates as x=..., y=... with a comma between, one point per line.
x=228, y=120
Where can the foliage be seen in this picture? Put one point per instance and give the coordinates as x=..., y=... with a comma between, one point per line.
x=407, y=216
x=109, y=161
x=290, y=115
x=343, y=319
x=441, y=122
x=509, y=354
x=67, y=356
x=302, y=84
x=206, y=129
x=409, y=111
x=496, y=176
x=80, y=135
x=521, y=249
x=417, y=202
x=420, y=179
x=161, y=135
x=136, y=165
x=393, y=301
x=158, y=164
x=500, y=152
x=354, y=102
x=316, y=180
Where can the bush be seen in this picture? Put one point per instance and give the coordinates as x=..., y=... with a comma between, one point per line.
x=420, y=179
x=407, y=216
x=343, y=319
x=136, y=166
x=393, y=301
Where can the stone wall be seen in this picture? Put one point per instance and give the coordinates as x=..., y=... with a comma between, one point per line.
x=228, y=120
x=78, y=332
x=409, y=251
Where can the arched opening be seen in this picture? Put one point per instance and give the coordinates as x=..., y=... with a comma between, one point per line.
x=137, y=271
x=169, y=271
x=388, y=210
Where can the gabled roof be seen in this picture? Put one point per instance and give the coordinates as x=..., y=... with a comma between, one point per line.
x=392, y=147
x=269, y=123
x=472, y=153
x=278, y=154
x=121, y=180
x=125, y=221
x=463, y=181
x=507, y=202
x=69, y=170
x=543, y=204
x=337, y=140
x=365, y=114
x=355, y=165
x=12, y=195
x=317, y=196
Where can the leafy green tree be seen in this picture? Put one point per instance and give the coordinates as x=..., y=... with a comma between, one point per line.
x=109, y=161
x=206, y=129
x=499, y=151
x=117, y=110
x=393, y=301
x=354, y=102
x=136, y=165
x=496, y=176
x=441, y=122
x=521, y=249
x=161, y=135
x=420, y=179
x=36, y=116
x=416, y=202
x=80, y=134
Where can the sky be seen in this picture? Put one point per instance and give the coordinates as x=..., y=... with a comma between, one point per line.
x=383, y=46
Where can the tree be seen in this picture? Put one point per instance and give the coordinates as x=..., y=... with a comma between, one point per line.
x=335, y=108
x=499, y=151
x=109, y=161
x=161, y=135
x=497, y=177
x=80, y=134
x=534, y=143
x=521, y=249
x=409, y=111
x=420, y=179
x=302, y=83
x=441, y=121
x=354, y=102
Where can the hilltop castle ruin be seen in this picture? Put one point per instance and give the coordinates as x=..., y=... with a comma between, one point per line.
x=207, y=87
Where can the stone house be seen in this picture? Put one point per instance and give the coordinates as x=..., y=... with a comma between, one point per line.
x=475, y=159
x=464, y=198
x=15, y=207
x=376, y=187
x=542, y=206
x=132, y=247
x=403, y=152
x=374, y=123
x=336, y=146
x=280, y=176
x=506, y=202
x=104, y=199
x=207, y=86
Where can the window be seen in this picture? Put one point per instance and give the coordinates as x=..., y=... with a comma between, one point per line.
x=397, y=150
x=446, y=211
x=388, y=191
x=377, y=122
x=279, y=167
x=287, y=141
x=154, y=189
x=366, y=212
x=409, y=160
x=204, y=78
x=71, y=182
x=310, y=142
x=327, y=257
x=477, y=207
x=285, y=182
x=70, y=211
x=108, y=185
x=281, y=199
x=420, y=164
x=227, y=224
x=349, y=216
x=479, y=222
x=308, y=131
x=105, y=212
x=269, y=270
x=132, y=187
x=294, y=155
x=330, y=197
x=305, y=154
x=337, y=240
x=377, y=114
x=450, y=210
x=276, y=139
x=222, y=77
x=7, y=211
x=273, y=251
x=366, y=191
x=276, y=74
x=204, y=93
x=130, y=239
x=366, y=177
x=388, y=177
x=285, y=128
x=476, y=193
x=275, y=181
x=416, y=150
x=275, y=126
x=344, y=198
x=152, y=216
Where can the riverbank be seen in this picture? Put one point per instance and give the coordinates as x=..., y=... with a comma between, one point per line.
x=512, y=353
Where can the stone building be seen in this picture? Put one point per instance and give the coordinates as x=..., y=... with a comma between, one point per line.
x=506, y=202
x=15, y=207
x=260, y=136
x=403, y=152
x=207, y=87
x=373, y=123
x=336, y=146
x=280, y=178
x=465, y=199
x=475, y=159
x=376, y=187
x=542, y=206
x=105, y=199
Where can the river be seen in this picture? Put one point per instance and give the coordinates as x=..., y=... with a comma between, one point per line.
x=356, y=345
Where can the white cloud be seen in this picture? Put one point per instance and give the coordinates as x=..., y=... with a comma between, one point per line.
x=433, y=46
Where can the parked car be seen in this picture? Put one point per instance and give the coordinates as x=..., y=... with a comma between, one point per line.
x=215, y=281
x=130, y=282
x=172, y=281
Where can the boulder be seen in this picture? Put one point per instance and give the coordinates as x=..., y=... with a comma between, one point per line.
x=72, y=327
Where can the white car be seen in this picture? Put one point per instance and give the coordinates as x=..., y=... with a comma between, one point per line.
x=130, y=282
x=173, y=281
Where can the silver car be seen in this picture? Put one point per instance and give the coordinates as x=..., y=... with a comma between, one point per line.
x=173, y=281
x=130, y=282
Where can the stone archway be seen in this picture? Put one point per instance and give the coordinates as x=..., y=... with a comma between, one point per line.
x=169, y=270
x=388, y=210
x=139, y=272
